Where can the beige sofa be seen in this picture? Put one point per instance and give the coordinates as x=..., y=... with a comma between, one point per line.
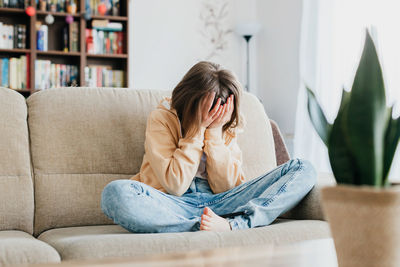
x=60, y=147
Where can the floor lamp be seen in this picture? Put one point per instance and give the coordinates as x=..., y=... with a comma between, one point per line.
x=247, y=31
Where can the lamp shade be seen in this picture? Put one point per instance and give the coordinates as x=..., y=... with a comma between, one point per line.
x=250, y=28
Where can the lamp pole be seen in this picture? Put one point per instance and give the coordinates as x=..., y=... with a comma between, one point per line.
x=247, y=38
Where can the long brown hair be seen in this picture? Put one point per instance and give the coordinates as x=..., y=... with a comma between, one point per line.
x=203, y=78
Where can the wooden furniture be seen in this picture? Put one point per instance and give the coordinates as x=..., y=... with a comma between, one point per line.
x=55, y=53
x=319, y=252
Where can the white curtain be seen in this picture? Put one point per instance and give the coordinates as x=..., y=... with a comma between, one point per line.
x=331, y=44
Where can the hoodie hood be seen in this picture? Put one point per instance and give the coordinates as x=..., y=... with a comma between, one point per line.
x=165, y=104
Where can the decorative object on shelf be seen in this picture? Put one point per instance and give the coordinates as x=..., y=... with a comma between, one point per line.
x=71, y=8
x=53, y=7
x=102, y=9
x=214, y=27
x=69, y=19
x=115, y=7
x=363, y=210
x=42, y=5
x=247, y=31
x=30, y=11
x=88, y=15
x=88, y=11
x=49, y=19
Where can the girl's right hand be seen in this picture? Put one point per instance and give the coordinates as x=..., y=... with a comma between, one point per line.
x=208, y=115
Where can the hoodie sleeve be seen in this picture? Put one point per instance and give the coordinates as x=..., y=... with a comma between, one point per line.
x=174, y=162
x=224, y=163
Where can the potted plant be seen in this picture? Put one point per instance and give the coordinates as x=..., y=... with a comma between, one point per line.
x=363, y=210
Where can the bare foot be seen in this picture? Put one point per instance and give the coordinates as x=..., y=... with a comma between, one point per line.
x=212, y=222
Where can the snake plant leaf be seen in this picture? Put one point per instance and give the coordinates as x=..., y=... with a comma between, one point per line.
x=392, y=137
x=366, y=116
x=342, y=161
x=317, y=117
x=345, y=100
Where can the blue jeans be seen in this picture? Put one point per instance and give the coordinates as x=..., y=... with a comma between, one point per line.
x=140, y=208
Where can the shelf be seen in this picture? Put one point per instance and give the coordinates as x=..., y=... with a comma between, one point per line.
x=55, y=53
x=58, y=53
x=107, y=55
x=57, y=14
x=117, y=18
x=11, y=10
x=15, y=51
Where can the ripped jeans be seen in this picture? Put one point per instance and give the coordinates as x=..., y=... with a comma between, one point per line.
x=140, y=208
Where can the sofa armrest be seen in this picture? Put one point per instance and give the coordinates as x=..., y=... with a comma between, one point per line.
x=281, y=152
x=309, y=208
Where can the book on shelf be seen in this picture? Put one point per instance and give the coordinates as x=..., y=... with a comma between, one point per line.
x=12, y=36
x=106, y=25
x=112, y=6
x=104, y=42
x=14, y=3
x=71, y=37
x=51, y=75
x=15, y=72
x=103, y=76
x=42, y=37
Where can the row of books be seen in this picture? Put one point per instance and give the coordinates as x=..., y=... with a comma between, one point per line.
x=104, y=42
x=12, y=36
x=14, y=72
x=50, y=75
x=14, y=3
x=103, y=76
x=112, y=6
x=69, y=6
x=70, y=37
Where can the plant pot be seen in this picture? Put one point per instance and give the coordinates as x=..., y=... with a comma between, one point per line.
x=365, y=224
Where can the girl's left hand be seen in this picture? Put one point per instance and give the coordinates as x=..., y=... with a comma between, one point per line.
x=225, y=114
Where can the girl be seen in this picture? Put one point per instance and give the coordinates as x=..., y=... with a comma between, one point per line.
x=191, y=177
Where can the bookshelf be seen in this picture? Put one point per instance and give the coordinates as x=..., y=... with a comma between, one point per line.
x=112, y=60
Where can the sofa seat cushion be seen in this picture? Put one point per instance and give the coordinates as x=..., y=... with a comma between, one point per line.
x=110, y=241
x=17, y=247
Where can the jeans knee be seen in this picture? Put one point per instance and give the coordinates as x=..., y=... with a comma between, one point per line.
x=309, y=174
x=111, y=194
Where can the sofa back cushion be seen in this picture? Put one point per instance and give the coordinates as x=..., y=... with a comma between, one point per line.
x=83, y=138
x=16, y=188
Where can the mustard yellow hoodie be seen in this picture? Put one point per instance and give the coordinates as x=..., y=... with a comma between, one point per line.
x=171, y=162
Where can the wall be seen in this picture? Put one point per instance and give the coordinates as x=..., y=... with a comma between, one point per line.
x=166, y=41
x=278, y=60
